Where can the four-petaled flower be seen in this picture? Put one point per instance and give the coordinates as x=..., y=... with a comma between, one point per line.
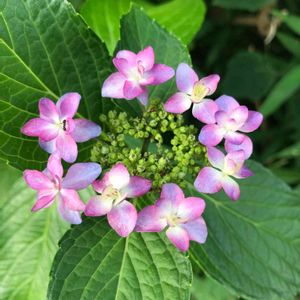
x=135, y=72
x=211, y=180
x=193, y=91
x=56, y=129
x=114, y=188
x=49, y=184
x=230, y=118
x=181, y=215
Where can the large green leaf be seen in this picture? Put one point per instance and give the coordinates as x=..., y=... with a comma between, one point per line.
x=253, y=244
x=45, y=50
x=95, y=263
x=289, y=42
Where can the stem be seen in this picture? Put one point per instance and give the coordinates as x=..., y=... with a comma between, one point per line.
x=145, y=145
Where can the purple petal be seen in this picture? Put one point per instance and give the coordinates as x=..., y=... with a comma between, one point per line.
x=37, y=180
x=143, y=98
x=119, y=176
x=208, y=181
x=40, y=128
x=178, y=103
x=211, y=135
x=211, y=83
x=49, y=147
x=67, y=147
x=146, y=58
x=233, y=162
x=235, y=137
x=246, y=146
x=231, y=188
x=149, y=220
x=205, y=111
x=67, y=105
x=45, y=199
x=122, y=218
x=48, y=110
x=100, y=185
x=190, y=208
x=160, y=73
x=113, y=86
x=222, y=118
x=85, y=130
x=98, y=207
x=179, y=238
x=227, y=103
x=138, y=186
x=215, y=157
x=185, y=78
x=81, y=175
x=244, y=173
x=54, y=166
x=67, y=214
x=130, y=56
x=132, y=90
x=72, y=200
x=253, y=122
x=196, y=230
x=240, y=115
x=123, y=66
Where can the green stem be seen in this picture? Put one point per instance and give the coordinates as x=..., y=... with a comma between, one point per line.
x=145, y=145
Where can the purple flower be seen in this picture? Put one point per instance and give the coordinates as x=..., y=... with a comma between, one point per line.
x=56, y=129
x=135, y=72
x=114, y=188
x=49, y=184
x=212, y=180
x=181, y=215
x=193, y=91
x=230, y=118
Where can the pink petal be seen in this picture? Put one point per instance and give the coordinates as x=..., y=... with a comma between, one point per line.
x=48, y=110
x=233, y=162
x=239, y=114
x=67, y=148
x=244, y=173
x=122, y=218
x=253, y=122
x=149, y=220
x=100, y=185
x=119, y=176
x=211, y=135
x=67, y=105
x=185, y=78
x=235, y=137
x=143, y=98
x=98, y=207
x=40, y=128
x=179, y=238
x=215, y=157
x=205, y=111
x=246, y=146
x=222, y=118
x=67, y=214
x=72, y=200
x=81, y=175
x=211, y=82
x=178, y=103
x=196, y=230
x=231, y=188
x=49, y=147
x=85, y=130
x=146, y=57
x=138, y=186
x=160, y=73
x=123, y=66
x=113, y=86
x=54, y=166
x=208, y=181
x=227, y=103
x=45, y=199
x=37, y=180
x=190, y=208
x=132, y=90
x=130, y=56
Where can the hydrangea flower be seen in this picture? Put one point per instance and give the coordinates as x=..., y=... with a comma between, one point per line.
x=230, y=118
x=56, y=129
x=114, y=188
x=135, y=72
x=49, y=184
x=181, y=215
x=211, y=180
x=193, y=91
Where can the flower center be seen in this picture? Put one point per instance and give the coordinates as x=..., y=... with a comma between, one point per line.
x=137, y=73
x=113, y=194
x=199, y=92
x=174, y=220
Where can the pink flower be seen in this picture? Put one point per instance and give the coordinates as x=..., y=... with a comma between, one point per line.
x=230, y=118
x=114, y=188
x=56, y=129
x=49, y=184
x=212, y=180
x=193, y=91
x=135, y=72
x=181, y=215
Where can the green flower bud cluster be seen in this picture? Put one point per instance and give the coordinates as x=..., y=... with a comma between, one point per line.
x=156, y=145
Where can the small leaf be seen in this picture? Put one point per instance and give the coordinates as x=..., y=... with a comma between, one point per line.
x=252, y=5
x=292, y=21
x=289, y=43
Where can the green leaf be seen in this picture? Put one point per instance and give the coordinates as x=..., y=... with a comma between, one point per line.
x=290, y=43
x=253, y=244
x=28, y=241
x=282, y=91
x=95, y=263
x=252, y=5
x=46, y=50
x=292, y=21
